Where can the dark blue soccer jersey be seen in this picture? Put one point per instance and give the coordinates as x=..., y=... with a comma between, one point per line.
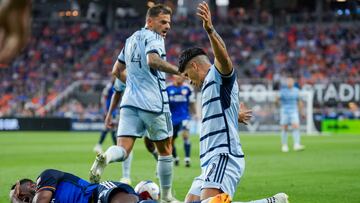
x=68, y=188
x=179, y=99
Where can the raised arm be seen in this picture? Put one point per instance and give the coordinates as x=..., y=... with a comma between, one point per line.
x=222, y=59
x=155, y=62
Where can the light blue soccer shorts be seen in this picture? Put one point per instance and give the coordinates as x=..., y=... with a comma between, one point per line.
x=137, y=123
x=223, y=172
x=289, y=118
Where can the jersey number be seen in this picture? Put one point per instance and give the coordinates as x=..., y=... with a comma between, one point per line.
x=135, y=56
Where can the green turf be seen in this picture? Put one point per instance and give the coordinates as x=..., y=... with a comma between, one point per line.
x=327, y=171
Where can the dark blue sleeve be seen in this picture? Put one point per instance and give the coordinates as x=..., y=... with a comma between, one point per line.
x=48, y=180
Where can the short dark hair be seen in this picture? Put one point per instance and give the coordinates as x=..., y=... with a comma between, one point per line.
x=187, y=55
x=22, y=181
x=158, y=9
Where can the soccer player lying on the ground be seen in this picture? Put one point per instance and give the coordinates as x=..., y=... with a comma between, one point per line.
x=15, y=18
x=144, y=105
x=221, y=155
x=118, y=89
x=57, y=186
x=290, y=106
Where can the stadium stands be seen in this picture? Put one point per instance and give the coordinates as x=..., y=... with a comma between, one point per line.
x=56, y=57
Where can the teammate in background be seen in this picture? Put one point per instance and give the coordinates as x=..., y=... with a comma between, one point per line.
x=57, y=186
x=15, y=18
x=290, y=105
x=182, y=103
x=145, y=104
x=106, y=97
x=221, y=156
x=118, y=89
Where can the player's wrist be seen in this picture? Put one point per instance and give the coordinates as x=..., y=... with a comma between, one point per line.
x=210, y=30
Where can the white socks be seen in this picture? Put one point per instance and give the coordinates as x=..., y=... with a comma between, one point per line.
x=115, y=154
x=164, y=171
x=126, y=166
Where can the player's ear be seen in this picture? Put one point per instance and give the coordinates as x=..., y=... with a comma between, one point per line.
x=194, y=66
x=149, y=22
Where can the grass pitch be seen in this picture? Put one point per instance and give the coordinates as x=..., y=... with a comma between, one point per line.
x=328, y=171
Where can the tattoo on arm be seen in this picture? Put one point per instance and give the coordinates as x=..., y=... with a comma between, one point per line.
x=159, y=64
x=217, y=36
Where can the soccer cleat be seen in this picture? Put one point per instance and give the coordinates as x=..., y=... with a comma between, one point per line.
x=98, y=149
x=220, y=198
x=97, y=168
x=176, y=161
x=285, y=148
x=298, y=147
x=125, y=180
x=187, y=162
x=170, y=200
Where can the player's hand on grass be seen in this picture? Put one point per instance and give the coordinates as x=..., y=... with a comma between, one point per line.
x=245, y=114
x=205, y=15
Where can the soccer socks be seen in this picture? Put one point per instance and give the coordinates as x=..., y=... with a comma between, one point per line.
x=296, y=136
x=102, y=136
x=164, y=171
x=187, y=147
x=115, y=153
x=126, y=166
x=284, y=137
x=174, y=153
x=113, y=136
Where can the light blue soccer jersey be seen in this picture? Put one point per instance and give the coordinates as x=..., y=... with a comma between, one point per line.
x=119, y=86
x=289, y=99
x=145, y=87
x=220, y=108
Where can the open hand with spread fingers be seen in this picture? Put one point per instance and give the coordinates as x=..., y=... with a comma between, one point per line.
x=205, y=15
x=245, y=114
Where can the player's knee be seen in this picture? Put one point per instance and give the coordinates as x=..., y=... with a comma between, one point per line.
x=285, y=127
x=190, y=198
x=164, y=147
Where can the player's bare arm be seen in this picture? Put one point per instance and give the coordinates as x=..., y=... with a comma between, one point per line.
x=155, y=62
x=245, y=114
x=43, y=197
x=192, y=108
x=115, y=99
x=14, y=27
x=300, y=106
x=222, y=58
x=119, y=71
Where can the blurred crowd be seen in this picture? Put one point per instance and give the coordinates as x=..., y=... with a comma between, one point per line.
x=60, y=53
x=49, y=64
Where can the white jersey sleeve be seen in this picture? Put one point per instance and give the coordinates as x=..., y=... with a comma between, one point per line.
x=121, y=57
x=154, y=43
x=119, y=86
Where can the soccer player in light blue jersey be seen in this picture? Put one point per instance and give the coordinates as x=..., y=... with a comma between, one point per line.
x=182, y=104
x=221, y=155
x=145, y=104
x=119, y=88
x=290, y=105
